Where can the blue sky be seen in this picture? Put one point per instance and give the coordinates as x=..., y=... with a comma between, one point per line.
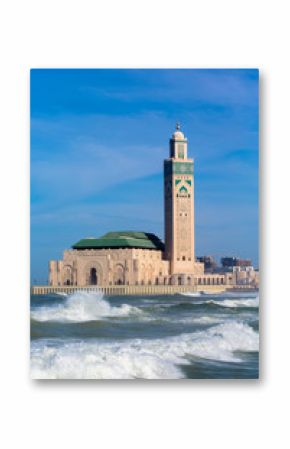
x=98, y=140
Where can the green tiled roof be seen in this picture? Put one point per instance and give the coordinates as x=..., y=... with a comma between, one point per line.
x=122, y=239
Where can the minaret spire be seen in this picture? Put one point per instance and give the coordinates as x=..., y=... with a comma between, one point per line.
x=179, y=206
x=178, y=144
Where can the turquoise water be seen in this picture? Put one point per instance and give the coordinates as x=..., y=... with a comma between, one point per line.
x=198, y=336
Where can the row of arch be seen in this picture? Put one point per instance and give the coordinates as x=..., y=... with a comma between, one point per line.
x=94, y=276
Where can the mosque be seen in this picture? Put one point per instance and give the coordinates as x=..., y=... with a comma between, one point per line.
x=141, y=258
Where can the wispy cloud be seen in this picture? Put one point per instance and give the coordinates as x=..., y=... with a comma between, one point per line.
x=220, y=87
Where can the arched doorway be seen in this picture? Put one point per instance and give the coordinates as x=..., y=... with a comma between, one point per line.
x=93, y=273
x=93, y=277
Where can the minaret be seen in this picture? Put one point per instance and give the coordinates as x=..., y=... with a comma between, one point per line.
x=179, y=206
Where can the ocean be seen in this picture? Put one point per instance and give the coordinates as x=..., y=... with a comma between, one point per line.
x=192, y=336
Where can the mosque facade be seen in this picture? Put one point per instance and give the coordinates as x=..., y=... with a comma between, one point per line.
x=141, y=258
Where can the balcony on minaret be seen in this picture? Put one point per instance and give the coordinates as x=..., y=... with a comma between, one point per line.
x=178, y=145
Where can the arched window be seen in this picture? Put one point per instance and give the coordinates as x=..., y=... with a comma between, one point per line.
x=119, y=275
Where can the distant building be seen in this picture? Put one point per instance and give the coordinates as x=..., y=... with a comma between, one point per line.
x=244, y=263
x=239, y=271
x=245, y=275
x=229, y=262
x=209, y=263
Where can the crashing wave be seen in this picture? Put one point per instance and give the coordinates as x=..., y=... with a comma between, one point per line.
x=140, y=358
x=82, y=306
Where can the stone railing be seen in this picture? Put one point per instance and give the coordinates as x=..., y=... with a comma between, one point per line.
x=132, y=289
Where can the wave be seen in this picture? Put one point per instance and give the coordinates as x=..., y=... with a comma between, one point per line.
x=82, y=306
x=140, y=358
x=231, y=303
x=247, y=302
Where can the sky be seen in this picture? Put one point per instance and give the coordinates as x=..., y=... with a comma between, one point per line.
x=98, y=141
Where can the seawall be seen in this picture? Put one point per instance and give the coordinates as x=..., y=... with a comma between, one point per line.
x=137, y=289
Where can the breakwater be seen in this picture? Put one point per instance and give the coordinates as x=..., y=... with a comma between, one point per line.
x=137, y=289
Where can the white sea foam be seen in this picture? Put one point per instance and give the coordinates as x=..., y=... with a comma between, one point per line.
x=201, y=320
x=82, y=306
x=246, y=302
x=238, y=302
x=139, y=358
x=242, y=302
x=193, y=294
